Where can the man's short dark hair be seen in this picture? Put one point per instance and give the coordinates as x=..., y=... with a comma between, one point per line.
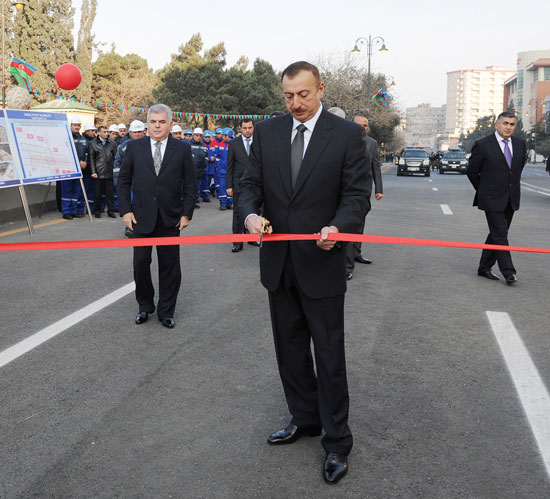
x=507, y=114
x=292, y=70
x=100, y=127
x=361, y=115
x=246, y=120
x=274, y=114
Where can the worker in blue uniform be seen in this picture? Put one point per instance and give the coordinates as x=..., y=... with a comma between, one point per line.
x=201, y=155
x=72, y=198
x=225, y=201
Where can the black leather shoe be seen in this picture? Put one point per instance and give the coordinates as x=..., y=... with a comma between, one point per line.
x=336, y=466
x=97, y=215
x=197, y=206
x=67, y=216
x=349, y=276
x=236, y=248
x=362, y=259
x=223, y=208
x=207, y=200
x=292, y=433
x=511, y=279
x=142, y=317
x=488, y=274
x=254, y=243
x=111, y=214
x=79, y=215
x=168, y=322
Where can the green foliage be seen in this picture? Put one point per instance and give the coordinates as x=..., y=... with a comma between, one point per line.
x=484, y=126
x=123, y=80
x=84, y=48
x=42, y=37
x=192, y=82
x=540, y=139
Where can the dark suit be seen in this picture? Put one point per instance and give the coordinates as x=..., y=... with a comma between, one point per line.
x=237, y=162
x=353, y=250
x=307, y=284
x=158, y=208
x=497, y=193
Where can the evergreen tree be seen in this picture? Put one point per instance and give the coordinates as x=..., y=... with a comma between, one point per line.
x=121, y=80
x=84, y=48
x=42, y=37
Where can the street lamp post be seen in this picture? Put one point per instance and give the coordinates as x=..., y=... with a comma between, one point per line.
x=370, y=42
x=18, y=5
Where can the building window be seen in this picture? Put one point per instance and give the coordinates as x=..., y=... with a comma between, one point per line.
x=547, y=74
x=520, y=79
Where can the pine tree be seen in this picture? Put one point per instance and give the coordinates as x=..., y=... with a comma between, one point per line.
x=84, y=48
x=42, y=37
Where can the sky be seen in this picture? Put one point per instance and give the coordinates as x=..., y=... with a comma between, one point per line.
x=426, y=39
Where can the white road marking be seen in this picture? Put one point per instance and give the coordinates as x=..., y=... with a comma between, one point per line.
x=28, y=344
x=446, y=209
x=435, y=189
x=535, y=188
x=430, y=180
x=529, y=386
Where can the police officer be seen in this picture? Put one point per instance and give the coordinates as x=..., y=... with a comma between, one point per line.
x=201, y=156
x=72, y=198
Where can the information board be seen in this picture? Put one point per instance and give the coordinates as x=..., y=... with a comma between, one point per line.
x=44, y=146
x=9, y=168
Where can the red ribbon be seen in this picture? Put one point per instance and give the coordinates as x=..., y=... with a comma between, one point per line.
x=234, y=238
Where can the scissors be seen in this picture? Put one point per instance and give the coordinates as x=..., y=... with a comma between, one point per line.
x=264, y=225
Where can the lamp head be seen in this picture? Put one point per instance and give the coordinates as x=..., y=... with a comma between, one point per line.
x=355, y=49
x=383, y=48
x=18, y=5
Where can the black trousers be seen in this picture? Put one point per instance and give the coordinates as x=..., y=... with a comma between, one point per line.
x=353, y=250
x=104, y=186
x=238, y=223
x=499, y=223
x=313, y=398
x=169, y=272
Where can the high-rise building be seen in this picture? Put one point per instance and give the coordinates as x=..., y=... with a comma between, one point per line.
x=528, y=91
x=424, y=124
x=473, y=94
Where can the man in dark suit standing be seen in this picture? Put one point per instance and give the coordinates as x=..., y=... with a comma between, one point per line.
x=309, y=170
x=153, y=169
x=238, y=159
x=494, y=170
x=353, y=250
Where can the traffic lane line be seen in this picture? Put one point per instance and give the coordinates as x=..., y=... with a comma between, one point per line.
x=15, y=351
x=25, y=229
x=535, y=188
x=435, y=189
x=446, y=210
x=530, y=388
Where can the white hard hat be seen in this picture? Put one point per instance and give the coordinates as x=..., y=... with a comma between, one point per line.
x=176, y=129
x=113, y=128
x=75, y=120
x=89, y=126
x=198, y=130
x=137, y=126
x=122, y=126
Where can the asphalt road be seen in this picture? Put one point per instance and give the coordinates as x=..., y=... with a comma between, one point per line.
x=108, y=409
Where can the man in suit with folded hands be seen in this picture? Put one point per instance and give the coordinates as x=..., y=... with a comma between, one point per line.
x=494, y=170
x=153, y=170
x=308, y=169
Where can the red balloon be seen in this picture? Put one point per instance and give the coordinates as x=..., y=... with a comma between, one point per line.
x=68, y=76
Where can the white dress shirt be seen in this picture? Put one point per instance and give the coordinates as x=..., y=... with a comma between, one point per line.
x=162, y=147
x=310, y=125
x=249, y=143
x=501, y=143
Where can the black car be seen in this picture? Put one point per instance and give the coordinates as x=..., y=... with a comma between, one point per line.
x=453, y=161
x=414, y=161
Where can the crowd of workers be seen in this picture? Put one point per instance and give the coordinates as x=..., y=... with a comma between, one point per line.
x=101, y=152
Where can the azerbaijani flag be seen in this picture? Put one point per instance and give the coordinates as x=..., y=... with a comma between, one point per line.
x=22, y=66
x=21, y=71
